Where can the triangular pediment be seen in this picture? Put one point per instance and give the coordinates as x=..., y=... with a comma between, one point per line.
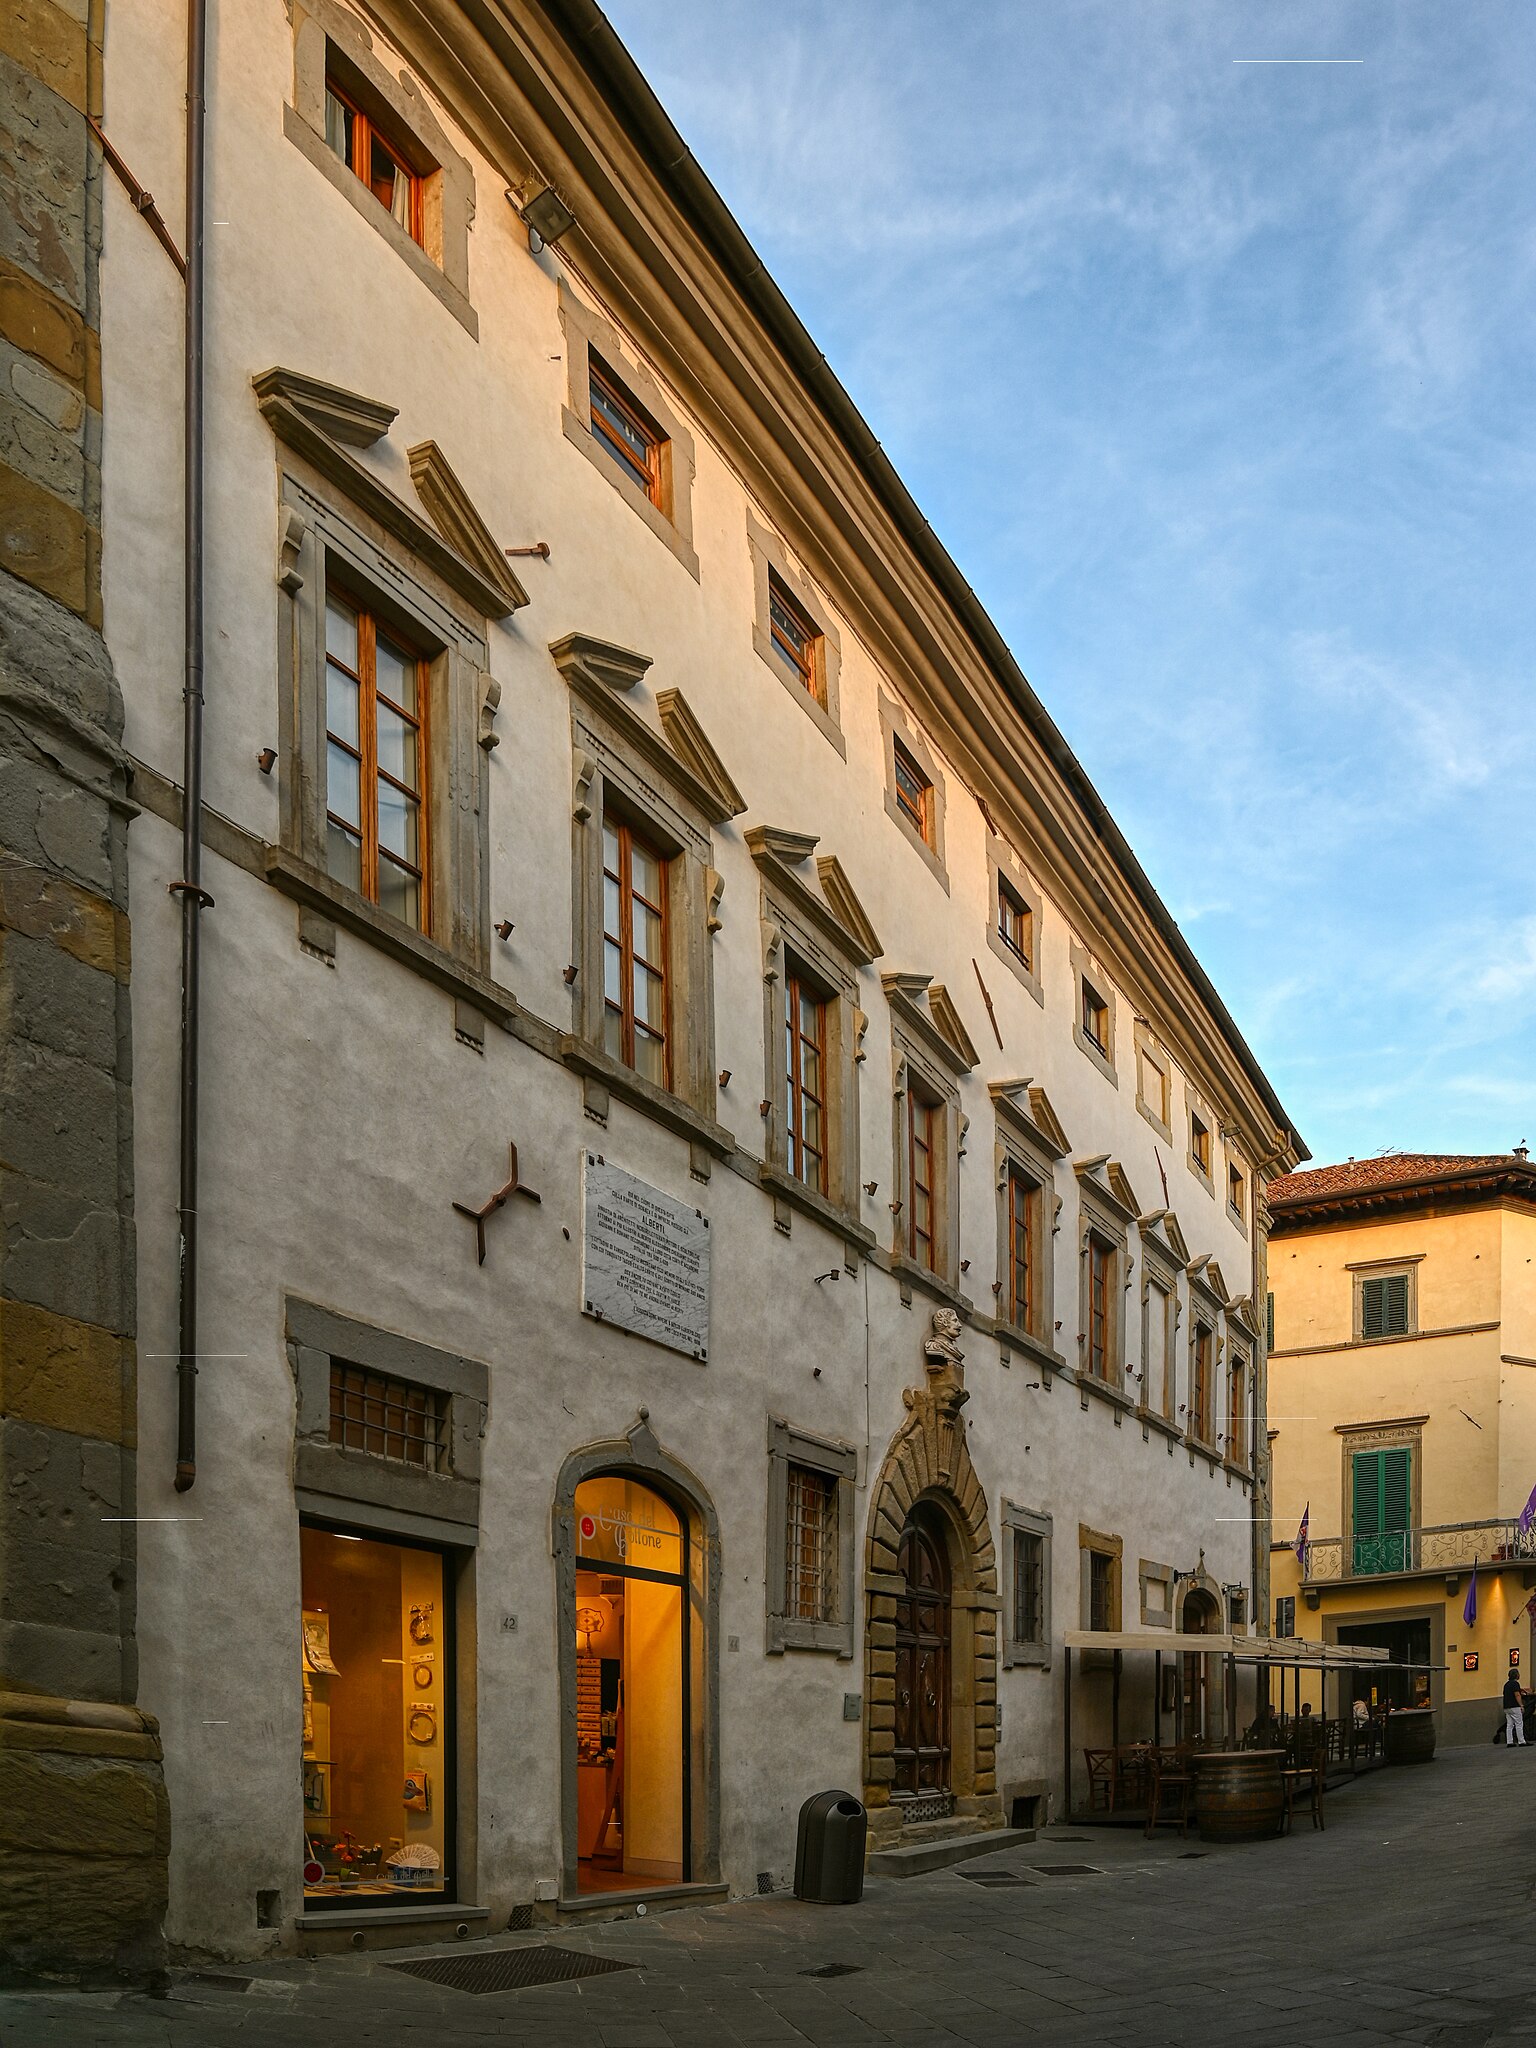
x=1027, y=1107
x=1047, y=1122
x=1241, y=1312
x=834, y=910
x=1206, y=1274
x=452, y=511
x=598, y=663
x=1105, y=1177
x=941, y=1006
x=324, y=423
x=847, y=908
x=691, y=744
x=1163, y=1226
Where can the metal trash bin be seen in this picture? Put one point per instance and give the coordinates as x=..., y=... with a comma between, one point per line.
x=829, y=1849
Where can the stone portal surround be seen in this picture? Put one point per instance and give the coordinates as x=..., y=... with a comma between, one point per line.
x=929, y=1460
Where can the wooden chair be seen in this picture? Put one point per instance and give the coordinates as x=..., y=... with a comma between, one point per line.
x=1101, y=1779
x=1303, y=1780
x=1169, y=1771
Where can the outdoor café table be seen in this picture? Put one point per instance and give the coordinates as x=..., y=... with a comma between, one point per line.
x=1239, y=1793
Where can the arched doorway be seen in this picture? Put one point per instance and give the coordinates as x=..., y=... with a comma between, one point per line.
x=923, y=1631
x=637, y=1559
x=1201, y=1702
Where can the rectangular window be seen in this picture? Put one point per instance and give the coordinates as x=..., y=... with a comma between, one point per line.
x=1095, y=1018
x=1152, y=1083
x=1101, y=1590
x=635, y=994
x=1237, y=1409
x=811, y=1538
x=1236, y=1192
x=1028, y=1587
x=1384, y=1305
x=797, y=644
x=625, y=432
x=1101, y=1284
x=376, y=762
x=914, y=793
x=1023, y=1229
x=376, y=1661
x=1200, y=1384
x=805, y=1066
x=374, y=158
x=1383, y=1494
x=1158, y=1390
x=923, y=1122
x=389, y=1417
x=1015, y=924
x=1200, y=1144
x=1285, y=1615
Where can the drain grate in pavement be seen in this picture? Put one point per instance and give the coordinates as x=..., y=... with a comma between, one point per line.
x=1192, y=1855
x=834, y=1970
x=510, y=1969
x=1054, y=1839
x=1069, y=1869
x=993, y=1878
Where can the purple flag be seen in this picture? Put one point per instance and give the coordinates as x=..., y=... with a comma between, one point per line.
x=1469, y=1610
x=1527, y=1514
x=1301, y=1536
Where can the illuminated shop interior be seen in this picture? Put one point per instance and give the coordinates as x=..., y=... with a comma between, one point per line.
x=377, y=1719
x=631, y=1625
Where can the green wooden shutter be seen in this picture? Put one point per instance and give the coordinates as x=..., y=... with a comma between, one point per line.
x=1394, y=1488
x=1368, y=1492
x=1384, y=1305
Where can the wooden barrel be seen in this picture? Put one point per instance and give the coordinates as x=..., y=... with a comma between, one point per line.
x=1238, y=1794
x=1410, y=1736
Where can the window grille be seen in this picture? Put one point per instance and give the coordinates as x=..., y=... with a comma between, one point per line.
x=1028, y=1587
x=389, y=1417
x=811, y=1537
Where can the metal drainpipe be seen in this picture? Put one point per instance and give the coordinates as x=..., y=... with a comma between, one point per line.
x=194, y=898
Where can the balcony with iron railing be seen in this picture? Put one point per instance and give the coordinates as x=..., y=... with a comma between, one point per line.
x=1448, y=1547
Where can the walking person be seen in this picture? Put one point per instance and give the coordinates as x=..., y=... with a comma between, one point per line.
x=1514, y=1711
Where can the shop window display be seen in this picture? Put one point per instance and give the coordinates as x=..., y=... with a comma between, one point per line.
x=631, y=1625
x=378, y=1730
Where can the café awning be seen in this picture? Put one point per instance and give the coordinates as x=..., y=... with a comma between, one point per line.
x=1280, y=1652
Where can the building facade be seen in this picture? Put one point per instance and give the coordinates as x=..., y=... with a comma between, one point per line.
x=729, y=1216
x=1403, y=1423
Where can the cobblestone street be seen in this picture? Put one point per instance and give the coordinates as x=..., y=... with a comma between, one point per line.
x=1409, y=1919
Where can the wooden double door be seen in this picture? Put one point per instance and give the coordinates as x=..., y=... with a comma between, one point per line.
x=923, y=1691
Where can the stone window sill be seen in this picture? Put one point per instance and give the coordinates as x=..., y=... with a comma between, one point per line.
x=657, y=1103
x=1103, y=1391
x=911, y=1275
x=831, y=1214
x=1199, y=1448
x=833, y=1636
x=317, y=891
x=1161, y=1424
x=1029, y=1346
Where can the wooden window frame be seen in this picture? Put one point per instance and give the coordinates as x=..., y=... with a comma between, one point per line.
x=1237, y=1408
x=366, y=753
x=798, y=988
x=807, y=662
x=1101, y=1589
x=1199, y=1421
x=1237, y=1192
x=918, y=810
x=1013, y=911
x=1103, y=1260
x=836, y=1464
x=1094, y=1017
x=1095, y=1544
x=923, y=1107
x=1028, y=1526
x=1200, y=1150
x=604, y=379
x=1024, y=1300
x=627, y=834
x=364, y=128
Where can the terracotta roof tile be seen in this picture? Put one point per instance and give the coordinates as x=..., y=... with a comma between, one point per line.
x=1389, y=1170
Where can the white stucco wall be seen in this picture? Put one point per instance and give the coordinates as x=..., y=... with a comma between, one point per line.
x=341, y=1118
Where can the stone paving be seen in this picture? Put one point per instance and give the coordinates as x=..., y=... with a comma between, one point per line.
x=1408, y=1920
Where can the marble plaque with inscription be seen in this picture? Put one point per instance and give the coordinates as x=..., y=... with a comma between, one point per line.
x=645, y=1259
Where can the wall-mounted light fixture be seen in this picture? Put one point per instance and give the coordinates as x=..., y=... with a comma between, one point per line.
x=546, y=217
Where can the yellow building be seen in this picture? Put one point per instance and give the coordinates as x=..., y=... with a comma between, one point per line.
x=1402, y=1420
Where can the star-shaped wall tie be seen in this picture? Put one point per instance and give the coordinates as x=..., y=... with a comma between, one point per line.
x=478, y=1217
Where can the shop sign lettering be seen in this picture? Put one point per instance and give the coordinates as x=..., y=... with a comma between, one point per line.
x=645, y=1262
x=615, y=1535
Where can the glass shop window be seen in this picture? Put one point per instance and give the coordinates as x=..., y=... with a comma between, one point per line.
x=376, y=1662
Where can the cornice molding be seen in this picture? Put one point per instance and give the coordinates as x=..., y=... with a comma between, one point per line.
x=600, y=673
x=691, y=744
x=904, y=993
x=779, y=856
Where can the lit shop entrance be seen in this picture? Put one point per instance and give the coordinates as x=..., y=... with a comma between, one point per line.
x=632, y=1707
x=377, y=1660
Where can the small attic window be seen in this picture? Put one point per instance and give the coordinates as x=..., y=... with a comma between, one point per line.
x=373, y=153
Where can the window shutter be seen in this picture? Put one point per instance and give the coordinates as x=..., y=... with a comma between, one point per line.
x=1395, y=1491
x=1367, y=1477
x=1384, y=1305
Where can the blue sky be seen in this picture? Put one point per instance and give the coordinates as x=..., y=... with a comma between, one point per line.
x=1217, y=381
